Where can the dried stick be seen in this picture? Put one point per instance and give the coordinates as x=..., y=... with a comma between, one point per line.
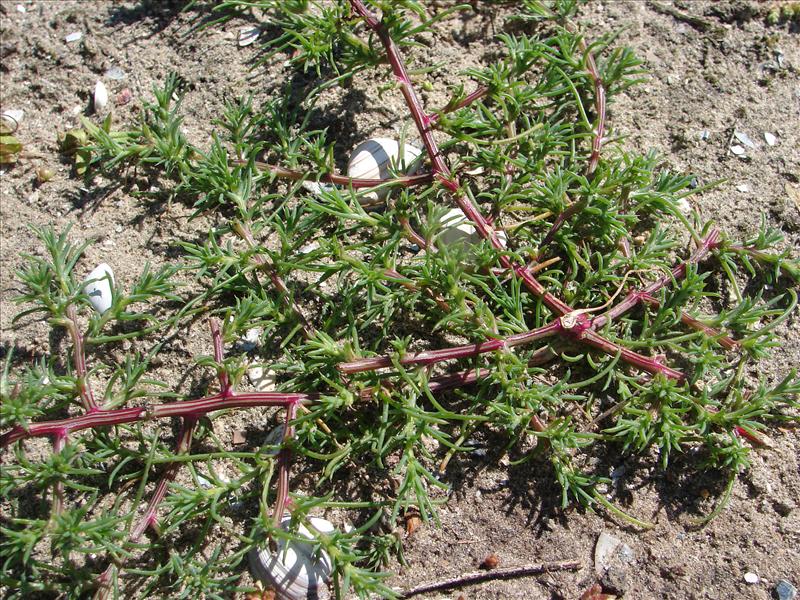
x=494, y=574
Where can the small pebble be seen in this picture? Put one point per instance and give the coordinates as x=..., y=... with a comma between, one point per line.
x=309, y=248
x=785, y=590
x=743, y=187
x=770, y=138
x=73, y=37
x=751, y=578
x=20, y=9
x=123, y=97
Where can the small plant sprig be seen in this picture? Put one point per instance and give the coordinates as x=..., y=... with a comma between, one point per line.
x=587, y=325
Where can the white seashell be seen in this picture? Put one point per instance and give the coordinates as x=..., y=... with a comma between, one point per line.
x=99, y=285
x=248, y=35
x=100, y=97
x=263, y=379
x=15, y=115
x=684, y=206
x=374, y=159
x=458, y=230
x=73, y=37
x=294, y=570
x=770, y=138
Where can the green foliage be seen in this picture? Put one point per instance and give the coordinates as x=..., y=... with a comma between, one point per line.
x=322, y=280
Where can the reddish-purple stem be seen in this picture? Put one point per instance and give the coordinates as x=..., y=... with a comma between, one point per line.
x=284, y=464
x=184, y=408
x=479, y=93
x=600, y=108
x=57, y=505
x=183, y=445
x=711, y=241
x=79, y=361
x=723, y=340
x=435, y=356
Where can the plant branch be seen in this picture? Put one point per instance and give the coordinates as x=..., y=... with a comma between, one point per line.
x=79, y=361
x=353, y=182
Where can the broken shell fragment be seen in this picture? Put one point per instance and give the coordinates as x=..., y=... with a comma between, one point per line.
x=99, y=286
x=294, y=570
x=100, y=97
x=377, y=157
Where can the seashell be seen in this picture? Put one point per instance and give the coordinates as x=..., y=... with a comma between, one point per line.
x=14, y=115
x=294, y=570
x=75, y=36
x=100, y=97
x=458, y=230
x=99, y=285
x=374, y=158
x=248, y=35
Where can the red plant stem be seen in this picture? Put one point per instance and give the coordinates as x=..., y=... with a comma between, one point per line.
x=356, y=183
x=184, y=444
x=723, y=340
x=435, y=356
x=184, y=408
x=445, y=177
x=79, y=361
x=284, y=464
x=200, y=407
x=440, y=169
x=479, y=93
x=562, y=218
x=167, y=476
x=57, y=505
x=600, y=107
x=711, y=241
x=414, y=236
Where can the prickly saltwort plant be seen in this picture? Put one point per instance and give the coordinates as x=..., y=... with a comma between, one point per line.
x=587, y=326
